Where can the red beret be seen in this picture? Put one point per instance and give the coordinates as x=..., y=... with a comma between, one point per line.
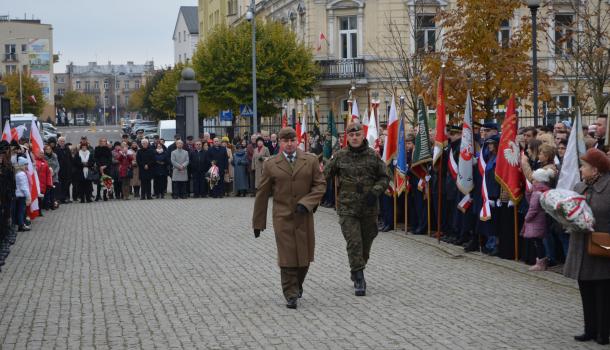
x=597, y=159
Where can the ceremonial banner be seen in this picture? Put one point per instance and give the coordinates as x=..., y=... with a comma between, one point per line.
x=465, y=181
x=508, y=168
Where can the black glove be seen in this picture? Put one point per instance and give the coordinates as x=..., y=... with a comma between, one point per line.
x=301, y=209
x=371, y=199
x=257, y=232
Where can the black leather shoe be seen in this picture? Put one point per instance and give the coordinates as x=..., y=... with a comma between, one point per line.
x=583, y=337
x=359, y=284
x=472, y=246
x=386, y=229
x=291, y=303
x=602, y=340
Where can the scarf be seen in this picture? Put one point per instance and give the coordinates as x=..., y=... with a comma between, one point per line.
x=84, y=158
x=592, y=180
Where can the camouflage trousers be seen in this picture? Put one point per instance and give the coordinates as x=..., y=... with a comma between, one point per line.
x=359, y=233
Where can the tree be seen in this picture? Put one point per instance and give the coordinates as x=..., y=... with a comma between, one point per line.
x=147, y=105
x=163, y=96
x=582, y=51
x=136, y=100
x=223, y=64
x=76, y=101
x=30, y=87
x=476, y=57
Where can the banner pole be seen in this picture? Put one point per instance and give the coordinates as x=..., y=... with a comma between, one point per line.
x=395, y=209
x=428, y=200
x=406, y=205
x=336, y=195
x=516, y=225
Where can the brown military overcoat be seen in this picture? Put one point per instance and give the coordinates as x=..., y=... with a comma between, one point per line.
x=302, y=183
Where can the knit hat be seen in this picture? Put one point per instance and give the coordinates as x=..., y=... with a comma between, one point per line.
x=597, y=159
x=225, y=139
x=543, y=175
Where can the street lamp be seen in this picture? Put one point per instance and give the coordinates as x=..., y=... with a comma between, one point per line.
x=116, y=97
x=250, y=16
x=534, y=5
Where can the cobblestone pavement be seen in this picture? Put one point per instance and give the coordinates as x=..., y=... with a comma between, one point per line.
x=189, y=274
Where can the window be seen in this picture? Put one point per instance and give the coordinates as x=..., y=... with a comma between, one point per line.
x=179, y=37
x=96, y=85
x=117, y=84
x=179, y=57
x=106, y=84
x=348, y=33
x=24, y=47
x=344, y=107
x=87, y=85
x=126, y=84
x=232, y=6
x=60, y=80
x=61, y=91
x=97, y=99
x=105, y=99
x=563, y=33
x=126, y=100
x=184, y=35
x=425, y=33
x=78, y=85
x=504, y=34
x=9, y=48
x=9, y=52
x=137, y=84
x=11, y=68
x=565, y=102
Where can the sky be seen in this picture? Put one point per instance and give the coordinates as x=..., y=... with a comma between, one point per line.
x=107, y=30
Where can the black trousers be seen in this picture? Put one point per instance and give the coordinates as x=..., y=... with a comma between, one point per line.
x=145, y=188
x=85, y=187
x=63, y=194
x=180, y=187
x=160, y=184
x=200, y=185
x=596, y=307
x=292, y=280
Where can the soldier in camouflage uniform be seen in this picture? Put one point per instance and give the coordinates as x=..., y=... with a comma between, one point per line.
x=362, y=177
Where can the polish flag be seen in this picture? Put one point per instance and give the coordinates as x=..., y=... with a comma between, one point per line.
x=34, y=184
x=284, y=120
x=391, y=141
x=32, y=99
x=372, y=134
x=36, y=140
x=7, y=133
x=320, y=40
x=355, y=112
x=303, y=134
x=365, y=123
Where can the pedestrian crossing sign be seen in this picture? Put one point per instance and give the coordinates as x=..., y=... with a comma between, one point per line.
x=245, y=111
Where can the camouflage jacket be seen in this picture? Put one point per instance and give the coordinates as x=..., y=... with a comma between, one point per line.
x=359, y=172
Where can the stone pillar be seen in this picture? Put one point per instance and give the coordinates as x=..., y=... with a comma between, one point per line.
x=188, y=89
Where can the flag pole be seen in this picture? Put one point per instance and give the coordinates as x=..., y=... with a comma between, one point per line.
x=516, y=229
x=439, y=201
x=406, y=203
x=394, y=199
x=428, y=200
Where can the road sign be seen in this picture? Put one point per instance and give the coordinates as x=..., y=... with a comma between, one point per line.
x=245, y=111
x=226, y=115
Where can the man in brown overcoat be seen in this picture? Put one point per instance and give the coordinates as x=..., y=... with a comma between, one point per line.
x=294, y=179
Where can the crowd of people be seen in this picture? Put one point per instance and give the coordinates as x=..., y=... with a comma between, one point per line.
x=217, y=167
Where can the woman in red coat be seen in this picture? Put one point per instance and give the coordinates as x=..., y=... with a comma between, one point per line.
x=45, y=177
x=124, y=158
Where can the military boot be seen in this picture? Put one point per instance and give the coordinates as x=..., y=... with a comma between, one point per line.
x=359, y=284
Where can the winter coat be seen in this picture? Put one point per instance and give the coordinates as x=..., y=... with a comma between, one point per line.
x=23, y=187
x=302, y=183
x=103, y=157
x=258, y=158
x=180, y=157
x=135, y=179
x=44, y=175
x=64, y=157
x=54, y=165
x=146, y=162
x=535, y=219
x=161, y=164
x=199, y=162
x=579, y=264
x=220, y=156
x=124, y=160
x=240, y=170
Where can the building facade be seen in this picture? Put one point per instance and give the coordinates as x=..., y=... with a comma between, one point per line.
x=27, y=46
x=111, y=85
x=186, y=34
x=211, y=14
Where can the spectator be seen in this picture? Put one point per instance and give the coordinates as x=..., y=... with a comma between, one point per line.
x=600, y=132
x=219, y=155
x=161, y=171
x=240, y=170
x=53, y=162
x=535, y=224
x=228, y=175
x=64, y=157
x=180, y=162
x=200, y=165
x=260, y=154
x=45, y=178
x=146, y=161
x=114, y=171
x=135, y=169
x=22, y=194
x=85, y=164
x=103, y=160
x=274, y=146
x=125, y=159
x=591, y=272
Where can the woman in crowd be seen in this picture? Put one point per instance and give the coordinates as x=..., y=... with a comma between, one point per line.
x=84, y=162
x=180, y=161
x=591, y=272
x=161, y=171
x=53, y=162
x=45, y=178
x=76, y=172
x=22, y=194
x=534, y=227
x=228, y=180
x=135, y=178
x=240, y=171
x=117, y=182
x=124, y=159
x=258, y=157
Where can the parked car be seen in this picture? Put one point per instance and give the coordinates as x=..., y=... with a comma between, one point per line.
x=79, y=120
x=167, y=130
x=50, y=127
x=47, y=134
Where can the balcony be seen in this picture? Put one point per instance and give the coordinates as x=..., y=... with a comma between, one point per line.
x=347, y=68
x=10, y=57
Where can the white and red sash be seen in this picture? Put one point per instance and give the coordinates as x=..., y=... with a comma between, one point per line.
x=485, y=213
x=452, y=165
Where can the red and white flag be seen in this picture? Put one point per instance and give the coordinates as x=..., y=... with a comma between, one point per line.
x=34, y=184
x=36, y=140
x=32, y=99
x=391, y=141
x=372, y=134
x=440, y=140
x=355, y=111
x=320, y=40
x=303, y=134
x=6, y=133
x=508, y=164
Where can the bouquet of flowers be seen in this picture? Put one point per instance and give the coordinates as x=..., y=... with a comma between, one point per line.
x=107, y=182
x=569, y=208
x=213, y=175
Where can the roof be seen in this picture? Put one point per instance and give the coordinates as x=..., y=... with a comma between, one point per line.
x=191, y=17
x=129, y=68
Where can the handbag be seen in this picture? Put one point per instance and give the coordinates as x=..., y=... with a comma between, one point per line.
x=93, y=175
x=599, y=244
